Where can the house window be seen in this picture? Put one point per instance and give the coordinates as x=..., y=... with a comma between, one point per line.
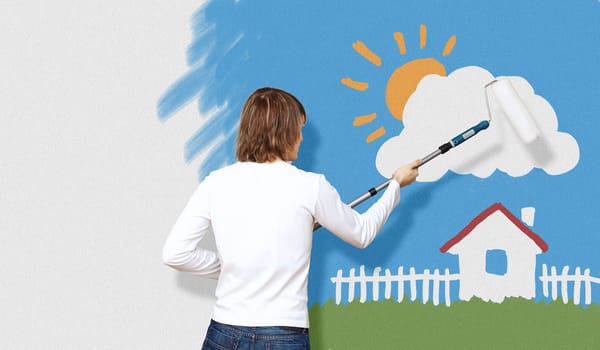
x=496, y=262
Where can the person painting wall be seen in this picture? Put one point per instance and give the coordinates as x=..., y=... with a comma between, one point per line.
x=387, y=82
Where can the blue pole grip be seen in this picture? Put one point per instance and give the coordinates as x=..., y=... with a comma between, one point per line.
x=467, y=134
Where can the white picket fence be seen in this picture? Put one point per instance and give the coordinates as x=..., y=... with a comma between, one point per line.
x=376, y=279
x=399, y=279
x=553, y=279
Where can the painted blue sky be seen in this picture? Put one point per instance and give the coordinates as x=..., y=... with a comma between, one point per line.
x=305, y=47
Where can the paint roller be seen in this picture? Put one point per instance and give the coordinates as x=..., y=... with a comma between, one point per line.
x=514, y=109
x=512, y=106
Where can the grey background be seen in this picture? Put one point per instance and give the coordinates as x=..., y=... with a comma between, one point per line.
x=90, y=180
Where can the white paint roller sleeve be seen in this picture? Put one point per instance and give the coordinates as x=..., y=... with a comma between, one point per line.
x=515, y=110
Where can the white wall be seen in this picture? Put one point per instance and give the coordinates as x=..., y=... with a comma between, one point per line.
x=90, y=180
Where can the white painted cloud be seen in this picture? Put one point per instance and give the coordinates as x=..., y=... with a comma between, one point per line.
x=443, y=107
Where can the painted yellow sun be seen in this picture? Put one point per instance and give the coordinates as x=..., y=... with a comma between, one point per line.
x=402, y=82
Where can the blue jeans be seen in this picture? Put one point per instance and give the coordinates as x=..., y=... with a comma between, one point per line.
x=221, y=336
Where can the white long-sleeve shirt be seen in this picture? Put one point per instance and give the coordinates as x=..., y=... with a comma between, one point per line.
x=262, y=216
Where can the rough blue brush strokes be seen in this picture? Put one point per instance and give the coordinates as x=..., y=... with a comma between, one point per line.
x=215, y=56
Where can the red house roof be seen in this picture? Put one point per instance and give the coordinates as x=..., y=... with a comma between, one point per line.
x=481, y=217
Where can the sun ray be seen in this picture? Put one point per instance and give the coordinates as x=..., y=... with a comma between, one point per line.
x=403, y=81
x=364, y=119
x=422, y=36
x=400, y=40
x=356, y=85
x=376, y=134
x=365, y=52
x=449, y=46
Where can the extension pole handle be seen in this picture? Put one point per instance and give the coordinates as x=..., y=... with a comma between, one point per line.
x=373, y=191
x=462, y=137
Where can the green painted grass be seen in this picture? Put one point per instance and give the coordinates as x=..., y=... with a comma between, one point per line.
x=513, y=324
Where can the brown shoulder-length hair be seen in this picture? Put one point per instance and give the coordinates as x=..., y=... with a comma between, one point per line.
x=270, y=126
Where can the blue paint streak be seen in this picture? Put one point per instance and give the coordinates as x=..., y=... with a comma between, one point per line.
x=182, y=92
x=211, y=82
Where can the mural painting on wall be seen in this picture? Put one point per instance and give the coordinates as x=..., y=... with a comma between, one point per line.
x=400, y=95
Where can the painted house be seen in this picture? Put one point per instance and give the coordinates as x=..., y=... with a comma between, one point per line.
x=496, y=256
